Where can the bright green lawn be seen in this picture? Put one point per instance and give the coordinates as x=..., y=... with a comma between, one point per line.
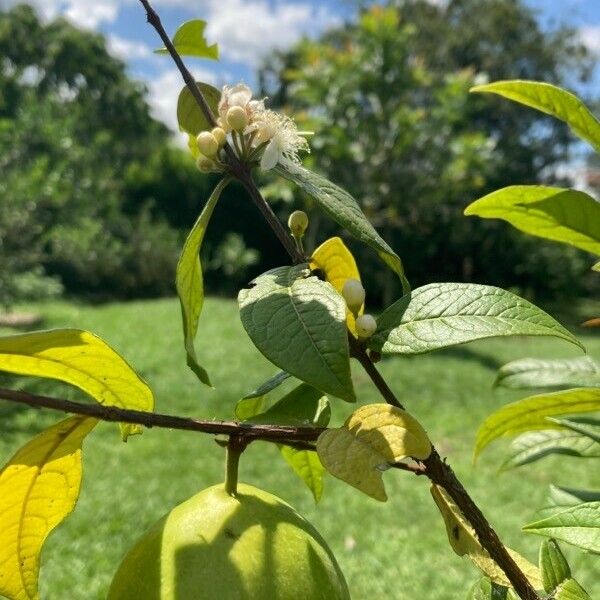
x=396, y=550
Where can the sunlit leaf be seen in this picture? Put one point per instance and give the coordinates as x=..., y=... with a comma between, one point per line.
x=439, y=315
x=553, y=565
x=560, y=498
x=38, y=489
x=571, y=590
x=307, y=465
x=463, y=541
x=531, y=414
x=588, y=427
x=190, y=284
x=372, y=438
x=81, y=359
x=340, y=206
x=299, y=323
x=552, y=100
x=535, y=445
x=190, y=40
x=557, y=214
x=334, y=259
x=577, y=525
x=190, y=117
x=525, y=373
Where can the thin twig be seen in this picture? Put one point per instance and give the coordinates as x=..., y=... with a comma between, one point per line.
x=282, y=434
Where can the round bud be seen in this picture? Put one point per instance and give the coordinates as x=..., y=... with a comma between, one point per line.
x=354, y=294
x=365, y=326
x=298, y=223
x=205, y=164
x=237, y=118
x=207, y=143
x=220, y=136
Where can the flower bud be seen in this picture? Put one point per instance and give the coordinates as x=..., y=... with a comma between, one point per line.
x=220, y=136
x=298, y=223
x=365, y=326
x=205, y=164
x=354, y=295
x=236, y=118
x=207, y=143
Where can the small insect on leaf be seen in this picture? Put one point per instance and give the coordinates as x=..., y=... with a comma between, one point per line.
x=38, y=489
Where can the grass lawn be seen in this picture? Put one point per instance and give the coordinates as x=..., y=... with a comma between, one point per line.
x=396, y=550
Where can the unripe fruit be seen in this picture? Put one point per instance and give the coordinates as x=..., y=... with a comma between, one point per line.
x=218, y=547
x=298, y=223
x=365, y=326
x=354, y=295
x=207, y=143
x=237, y=118
x=220, y=136
x=205, y=164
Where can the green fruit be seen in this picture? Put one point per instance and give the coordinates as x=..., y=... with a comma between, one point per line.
x=215, y=546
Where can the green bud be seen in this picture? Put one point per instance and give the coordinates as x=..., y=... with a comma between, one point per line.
x=354, y=295
x=298, y=223
x=365, y=326
x=207, y=143
x=237, y=118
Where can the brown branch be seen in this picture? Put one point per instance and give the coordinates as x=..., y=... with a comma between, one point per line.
x=297, y=437
x=435, y=468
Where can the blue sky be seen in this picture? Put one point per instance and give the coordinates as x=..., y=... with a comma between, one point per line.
x=245, y=30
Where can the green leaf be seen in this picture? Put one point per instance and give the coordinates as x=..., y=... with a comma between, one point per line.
x=268, y=386
x=552, y=100
x=578, y=525
x=246, y=408
x=535, y=445
x=340, y=206
x=557, y=214
x=561, y=498
x=526, y=373
x=571, y=590
x=553, y=565
x=589, y=428
x=464, y=542
x=39, y=488
x=530, y=414
x=439, y=315
x=189, y=40
x=374, y=437
x=307, y=465
x=596, y=267
x=299, y=323
x=304, y=405
x=190, y=117
x=81, y=359
x=189, y=282
x=484, y=589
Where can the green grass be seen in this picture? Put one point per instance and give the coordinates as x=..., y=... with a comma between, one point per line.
x=396, y=550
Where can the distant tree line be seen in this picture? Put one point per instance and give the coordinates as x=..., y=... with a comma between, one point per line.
x=95, y=199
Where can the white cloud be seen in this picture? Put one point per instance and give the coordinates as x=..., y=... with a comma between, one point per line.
x=246, y=30
x=128, y=49
x=85, y=13
x=590, y=37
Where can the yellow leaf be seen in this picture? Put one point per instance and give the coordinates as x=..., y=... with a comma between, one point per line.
x=372, y=438
x=464, y=541
x=81, y=359
x=337, y=263
x=38, y=489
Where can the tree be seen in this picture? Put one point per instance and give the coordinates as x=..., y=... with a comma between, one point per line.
x=71, y=124
x=388, y=99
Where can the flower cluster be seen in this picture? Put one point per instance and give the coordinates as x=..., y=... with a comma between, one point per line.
x=253, y=131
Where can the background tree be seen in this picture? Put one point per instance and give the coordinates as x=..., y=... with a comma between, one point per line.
x=396, y=126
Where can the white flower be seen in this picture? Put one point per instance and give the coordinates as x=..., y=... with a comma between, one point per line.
x=238, y=95
x=284, y=141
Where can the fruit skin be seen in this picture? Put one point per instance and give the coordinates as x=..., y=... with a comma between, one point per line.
x=214, y=546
